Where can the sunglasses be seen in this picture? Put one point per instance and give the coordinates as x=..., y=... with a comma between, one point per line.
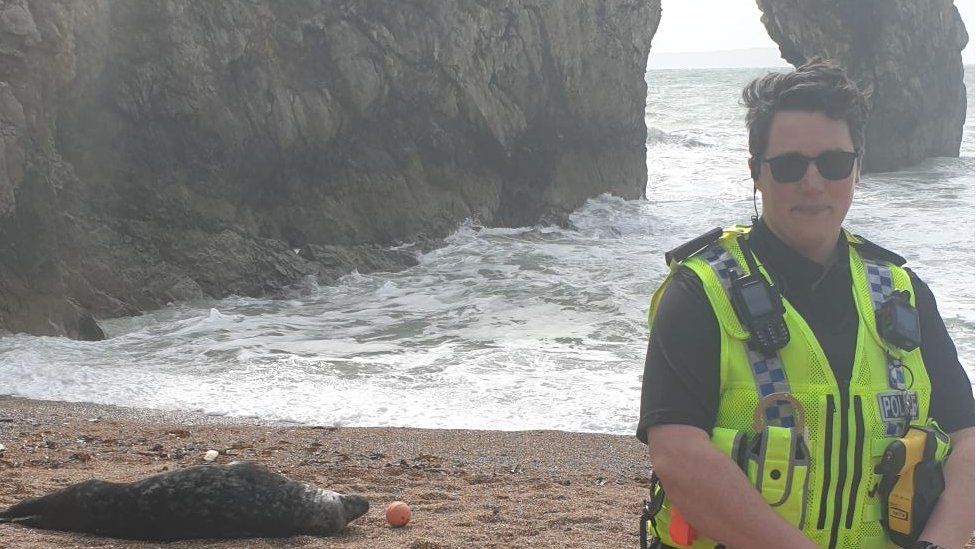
x=832, y=165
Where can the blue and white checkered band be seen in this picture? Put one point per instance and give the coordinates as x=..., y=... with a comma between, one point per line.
x=768, y=373
x=770, y=378
x=879, y=281
x=724, y=265
x=896, y=374
x=881, y=286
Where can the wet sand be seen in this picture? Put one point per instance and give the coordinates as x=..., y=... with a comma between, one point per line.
x=466, y=488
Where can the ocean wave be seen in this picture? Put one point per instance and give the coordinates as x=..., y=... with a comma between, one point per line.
x=655, y=135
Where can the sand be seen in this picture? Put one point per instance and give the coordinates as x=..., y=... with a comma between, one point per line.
x=466, y=488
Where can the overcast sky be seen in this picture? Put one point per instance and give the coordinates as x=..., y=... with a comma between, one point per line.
x=709, y=25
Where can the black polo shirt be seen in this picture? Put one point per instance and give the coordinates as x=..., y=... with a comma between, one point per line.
x=681, y=373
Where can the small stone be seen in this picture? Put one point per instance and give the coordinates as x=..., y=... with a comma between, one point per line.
x=2, y=448
x=211, y=455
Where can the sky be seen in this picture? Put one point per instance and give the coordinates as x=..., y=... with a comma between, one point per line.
x=734, y=24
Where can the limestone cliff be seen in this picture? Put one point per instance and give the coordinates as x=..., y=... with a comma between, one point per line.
x=175, y=149
x=906, y=53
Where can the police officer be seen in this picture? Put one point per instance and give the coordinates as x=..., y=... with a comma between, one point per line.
x=768, y=399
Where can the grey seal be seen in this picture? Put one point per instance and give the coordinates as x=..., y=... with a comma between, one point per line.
x=239, y=500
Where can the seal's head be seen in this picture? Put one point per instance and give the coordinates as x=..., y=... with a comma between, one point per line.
x=354, y=506
x=332, y=511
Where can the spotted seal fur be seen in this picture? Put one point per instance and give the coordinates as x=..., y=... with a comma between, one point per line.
x=238, y=500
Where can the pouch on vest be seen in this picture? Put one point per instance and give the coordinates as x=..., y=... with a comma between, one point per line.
x=731, y=443
x=911, y=481
x=779, y=466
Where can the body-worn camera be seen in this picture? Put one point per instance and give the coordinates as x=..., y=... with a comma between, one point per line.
x=898, y=322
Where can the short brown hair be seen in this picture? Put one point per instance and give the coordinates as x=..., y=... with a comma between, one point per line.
x=816, y=86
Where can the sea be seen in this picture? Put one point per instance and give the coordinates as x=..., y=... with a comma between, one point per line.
x=538, y=327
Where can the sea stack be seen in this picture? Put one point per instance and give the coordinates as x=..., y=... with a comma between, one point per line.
x=906, y=54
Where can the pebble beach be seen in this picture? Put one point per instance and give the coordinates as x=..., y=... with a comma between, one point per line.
x=465, y=487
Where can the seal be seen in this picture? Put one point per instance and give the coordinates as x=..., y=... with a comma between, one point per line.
x=238, y=500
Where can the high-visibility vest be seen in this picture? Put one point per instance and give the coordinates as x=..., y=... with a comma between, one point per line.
x=829, y=491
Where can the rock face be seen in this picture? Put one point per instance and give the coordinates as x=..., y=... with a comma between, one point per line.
x=168, y=150
x=906, y=53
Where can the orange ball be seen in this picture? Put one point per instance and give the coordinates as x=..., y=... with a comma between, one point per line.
x=397, y=514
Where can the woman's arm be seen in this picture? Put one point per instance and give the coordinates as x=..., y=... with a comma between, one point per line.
x=952, y=522
x=713, y=494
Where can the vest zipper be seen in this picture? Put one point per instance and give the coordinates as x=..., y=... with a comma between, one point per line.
x=828, y=459
x=842, y=465
x=858, y=459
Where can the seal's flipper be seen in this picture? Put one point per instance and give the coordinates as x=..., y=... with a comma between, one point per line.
x=31, y=508
x=22, y=520
x=30, y=520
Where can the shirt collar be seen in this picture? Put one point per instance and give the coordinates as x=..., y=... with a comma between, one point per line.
x=788, y=267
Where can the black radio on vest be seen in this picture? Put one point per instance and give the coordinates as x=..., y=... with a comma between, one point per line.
x=760, y=307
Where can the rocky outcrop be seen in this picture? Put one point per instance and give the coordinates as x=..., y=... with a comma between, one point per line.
x=168, y=150
x=906, y=53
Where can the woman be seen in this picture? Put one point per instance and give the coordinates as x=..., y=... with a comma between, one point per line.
x=764, y=339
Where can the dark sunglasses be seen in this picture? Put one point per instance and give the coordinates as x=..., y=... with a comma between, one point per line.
x=832, y=165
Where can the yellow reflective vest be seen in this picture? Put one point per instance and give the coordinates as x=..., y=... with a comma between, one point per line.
x=816, y=468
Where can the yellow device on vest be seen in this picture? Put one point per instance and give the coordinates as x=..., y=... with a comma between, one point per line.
x=911, y=482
